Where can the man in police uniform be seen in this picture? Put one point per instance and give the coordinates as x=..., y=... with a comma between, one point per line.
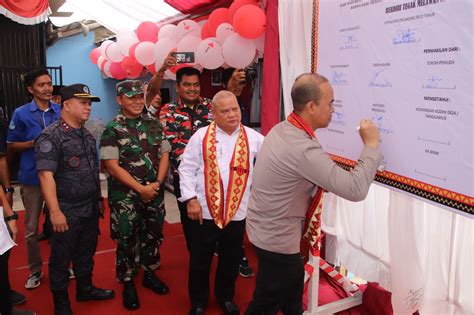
x=136, y=156
x=66, y=159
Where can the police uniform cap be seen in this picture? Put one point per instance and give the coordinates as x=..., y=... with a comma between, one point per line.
x=129, y=88
x=77, y=90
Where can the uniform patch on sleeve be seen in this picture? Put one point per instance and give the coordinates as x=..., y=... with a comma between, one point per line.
x=12, y=125
x=46, y=146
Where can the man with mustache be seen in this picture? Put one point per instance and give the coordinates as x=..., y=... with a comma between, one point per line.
x=180, y=120
x=216, y=177
x=68, y=169
x=25, y=126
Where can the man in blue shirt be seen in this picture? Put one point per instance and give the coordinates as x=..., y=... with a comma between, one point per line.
x=25, y=126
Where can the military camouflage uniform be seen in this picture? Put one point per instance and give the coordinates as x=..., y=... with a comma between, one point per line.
x=71, y=155
x=180, y=123
x=137, y=144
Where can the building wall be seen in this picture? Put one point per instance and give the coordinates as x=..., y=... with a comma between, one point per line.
x=72, y=53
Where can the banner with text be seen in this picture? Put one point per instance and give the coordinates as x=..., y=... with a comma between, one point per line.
x=407, y=65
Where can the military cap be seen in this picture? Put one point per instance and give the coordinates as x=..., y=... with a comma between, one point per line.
x=77, y=90
x=129, y=88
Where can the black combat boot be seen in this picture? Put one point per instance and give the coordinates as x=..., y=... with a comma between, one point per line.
x=62, y=306
x=150, y=281
x=130, y=297
x=87, y=292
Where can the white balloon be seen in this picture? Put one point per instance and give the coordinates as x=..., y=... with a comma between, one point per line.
x=112, y=52
x=167, y=31
x=125, y=32
x=209, y=54
x=189, y=43
x=144, y=53
x=238, y=52
x=186, y=28
x=103, y=46
x=106, y=71
x=100, y=60
x=162, y=49
x=223, y=31
x=260, y=42
x=124, y=44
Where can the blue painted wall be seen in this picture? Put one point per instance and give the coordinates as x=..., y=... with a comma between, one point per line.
x=72, y=53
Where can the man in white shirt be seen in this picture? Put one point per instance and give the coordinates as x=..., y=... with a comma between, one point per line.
x=216, y=176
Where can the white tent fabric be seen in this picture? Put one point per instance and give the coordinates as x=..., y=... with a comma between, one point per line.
x=295, y=43
x=420, y=252
x=117, y=14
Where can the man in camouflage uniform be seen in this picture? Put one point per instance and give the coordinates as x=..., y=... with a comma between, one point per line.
x=67, y=164
x=180, y=120
x=136, y=156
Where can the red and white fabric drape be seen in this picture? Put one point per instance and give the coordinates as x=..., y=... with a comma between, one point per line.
x=27, y=12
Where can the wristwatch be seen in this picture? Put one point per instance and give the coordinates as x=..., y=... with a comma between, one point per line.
x=14, y=216
x=9, y=189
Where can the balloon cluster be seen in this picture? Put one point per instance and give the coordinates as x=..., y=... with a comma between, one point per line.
x=231, y=37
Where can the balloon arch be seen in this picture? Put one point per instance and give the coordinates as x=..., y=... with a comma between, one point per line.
x=230, y=37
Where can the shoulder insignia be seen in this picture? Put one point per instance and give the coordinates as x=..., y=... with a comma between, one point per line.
x=46, y=146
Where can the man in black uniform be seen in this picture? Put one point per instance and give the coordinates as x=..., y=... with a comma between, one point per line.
x=67, y=164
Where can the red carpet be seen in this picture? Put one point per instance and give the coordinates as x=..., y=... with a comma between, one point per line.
x=173, y=271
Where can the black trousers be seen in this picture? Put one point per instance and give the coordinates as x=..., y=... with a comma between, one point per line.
x=279, y=284
x=183, y=212
x=78, y=244
x=5, y=303
x=204, y=239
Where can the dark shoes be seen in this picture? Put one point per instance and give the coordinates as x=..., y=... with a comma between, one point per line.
x=197, y=311
x=62, y=306
x=244, y=268
x=230, y=308
x=16, y=298
x=150, y=281
x=130, y=297
x=87, y=292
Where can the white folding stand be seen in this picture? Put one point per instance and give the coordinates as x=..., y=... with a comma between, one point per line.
x=313, y=292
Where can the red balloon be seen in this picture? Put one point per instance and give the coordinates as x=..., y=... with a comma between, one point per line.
x=117, y=72
x=131, y=51
x=94, y=55
x=206, y=32
x=131, y=67
x=249, y=21
x=179, y=66
x=151, y=68
x=216, y=18
x=236, y=5
x=147, y=32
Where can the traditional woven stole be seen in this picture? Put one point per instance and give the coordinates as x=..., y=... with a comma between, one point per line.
x=223, y=212
x=312, y=226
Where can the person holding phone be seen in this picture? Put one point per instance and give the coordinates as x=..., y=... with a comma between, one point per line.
x=180, y=120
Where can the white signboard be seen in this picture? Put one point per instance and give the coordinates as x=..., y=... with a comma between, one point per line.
x=408, y=65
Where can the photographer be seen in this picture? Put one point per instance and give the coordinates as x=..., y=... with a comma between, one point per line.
x=235, y=80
